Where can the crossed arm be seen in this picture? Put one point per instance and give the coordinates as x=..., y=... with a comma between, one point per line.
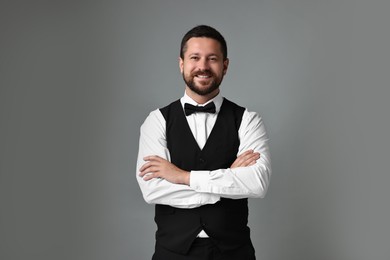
x=157, y=167
x=161, y=182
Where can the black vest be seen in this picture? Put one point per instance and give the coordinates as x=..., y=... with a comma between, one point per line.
x=225, y=221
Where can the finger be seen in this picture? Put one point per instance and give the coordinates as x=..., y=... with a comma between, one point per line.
x=149, y=167
x=150, y=176
x=143, y=173
x=249, y=159
x=152, y=158
x=245, y=153
x=155, y=170
x=145, y=166
x=242, y=157
x=252, y=157
x=245, y=156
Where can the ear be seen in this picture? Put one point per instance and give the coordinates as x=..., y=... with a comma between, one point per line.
x=181, y=64
x=225, y=66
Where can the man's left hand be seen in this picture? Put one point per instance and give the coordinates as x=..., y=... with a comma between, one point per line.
x=157, y=167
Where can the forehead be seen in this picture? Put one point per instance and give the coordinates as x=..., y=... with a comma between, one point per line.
x=203, y=45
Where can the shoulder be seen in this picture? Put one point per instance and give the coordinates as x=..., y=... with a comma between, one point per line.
x=229, y=107
x=252, y=121
x=247, y=115
x=249, y=118
x=251, y=115
x=155, y=120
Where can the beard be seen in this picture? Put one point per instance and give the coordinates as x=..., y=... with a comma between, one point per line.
x=205, y=89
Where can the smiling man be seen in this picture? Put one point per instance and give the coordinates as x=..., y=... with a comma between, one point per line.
x=200, y=158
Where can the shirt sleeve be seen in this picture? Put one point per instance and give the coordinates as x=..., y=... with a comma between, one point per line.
x=240, y=182
x=159, y=191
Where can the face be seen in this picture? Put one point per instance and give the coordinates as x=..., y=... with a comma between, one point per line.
x=203, y=66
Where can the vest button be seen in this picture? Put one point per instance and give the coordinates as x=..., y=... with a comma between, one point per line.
x=201, y=160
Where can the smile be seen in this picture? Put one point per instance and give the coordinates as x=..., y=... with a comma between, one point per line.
x=203, y=76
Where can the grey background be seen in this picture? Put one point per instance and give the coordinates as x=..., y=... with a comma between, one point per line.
x=77, y=79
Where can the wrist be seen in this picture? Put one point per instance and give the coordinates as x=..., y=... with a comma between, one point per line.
x=186, y=178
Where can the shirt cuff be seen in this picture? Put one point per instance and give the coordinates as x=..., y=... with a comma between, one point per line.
x=199, y=180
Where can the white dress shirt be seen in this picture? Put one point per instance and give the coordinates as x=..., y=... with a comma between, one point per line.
x=206, y=187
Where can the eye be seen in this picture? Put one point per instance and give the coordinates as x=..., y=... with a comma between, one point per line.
x=194, y=58
x=213, y=58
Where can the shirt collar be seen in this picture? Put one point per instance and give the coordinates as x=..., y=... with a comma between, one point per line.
x=218, y=99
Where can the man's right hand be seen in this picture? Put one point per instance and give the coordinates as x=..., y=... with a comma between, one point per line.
x=247, y=158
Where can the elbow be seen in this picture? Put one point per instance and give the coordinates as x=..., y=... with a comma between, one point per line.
x=262, y=183
x=262, y=193
x=259, y=192
x=147, y=200
x=147, y=196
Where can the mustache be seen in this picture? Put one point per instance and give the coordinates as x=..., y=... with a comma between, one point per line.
x=203, y=73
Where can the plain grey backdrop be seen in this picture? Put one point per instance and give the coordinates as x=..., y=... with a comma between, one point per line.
x=77, y=79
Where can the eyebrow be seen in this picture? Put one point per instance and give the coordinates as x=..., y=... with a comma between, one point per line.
x=197, y=53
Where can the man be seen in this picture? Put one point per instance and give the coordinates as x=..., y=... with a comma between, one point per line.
x=200, y=158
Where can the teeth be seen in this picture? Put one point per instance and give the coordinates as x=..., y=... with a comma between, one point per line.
x=203, y=76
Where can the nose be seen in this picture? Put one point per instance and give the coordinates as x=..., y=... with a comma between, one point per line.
x=203, y=64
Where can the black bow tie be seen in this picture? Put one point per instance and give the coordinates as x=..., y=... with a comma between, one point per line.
x=189, y=109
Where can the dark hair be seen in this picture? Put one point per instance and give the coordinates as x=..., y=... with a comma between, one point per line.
x=203, y=31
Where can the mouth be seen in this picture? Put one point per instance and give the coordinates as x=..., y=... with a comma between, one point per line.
x=203, y=76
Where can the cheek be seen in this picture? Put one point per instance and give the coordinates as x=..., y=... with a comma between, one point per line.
x=218, y=70
x=188, y=69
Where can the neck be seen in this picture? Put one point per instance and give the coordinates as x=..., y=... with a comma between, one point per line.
x=201, y=99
